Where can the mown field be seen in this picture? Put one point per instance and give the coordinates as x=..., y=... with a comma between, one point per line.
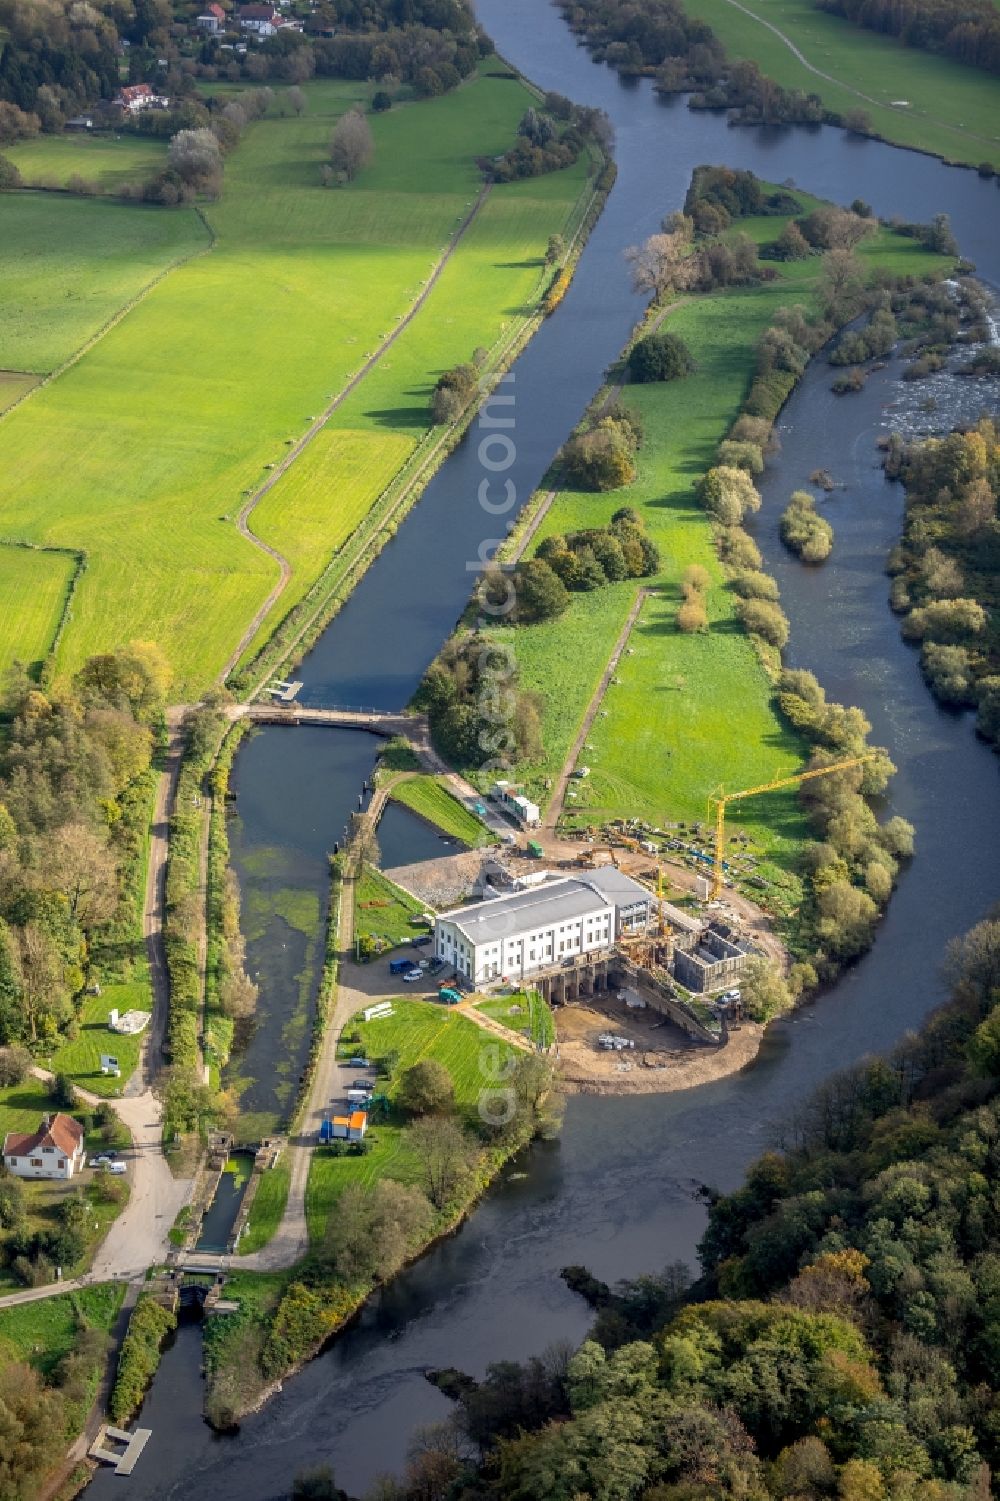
x=69, y=264
x=33, y=589
x=110, y=160
x=687, y=713
x=416, y=1030
x=160, y=430
x=81, y=1059
x=953, y=111
x=432, y=800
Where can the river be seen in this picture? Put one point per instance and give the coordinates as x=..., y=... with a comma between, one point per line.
x=618, y=1190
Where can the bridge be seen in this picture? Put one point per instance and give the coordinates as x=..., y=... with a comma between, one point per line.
x=384, y=722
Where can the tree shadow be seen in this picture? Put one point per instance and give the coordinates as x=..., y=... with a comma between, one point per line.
x=402, y=417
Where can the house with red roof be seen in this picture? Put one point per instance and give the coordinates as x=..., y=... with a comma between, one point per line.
x=55, y=1150
x=137, y=96
x=212, y=19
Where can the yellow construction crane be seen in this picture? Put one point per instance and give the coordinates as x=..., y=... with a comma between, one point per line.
x=721, y=800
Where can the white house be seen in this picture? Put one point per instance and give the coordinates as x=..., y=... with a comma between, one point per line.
x=139, y=96
x=55, y=1150
x=262, y=20
x=212, y=19
x=517, y=934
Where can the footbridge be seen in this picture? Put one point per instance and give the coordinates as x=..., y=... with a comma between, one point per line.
x=384, y=722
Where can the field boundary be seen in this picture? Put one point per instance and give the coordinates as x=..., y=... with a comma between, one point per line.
x=325, y=596
x=116, y=317
x=250, y=505
x=80, y=559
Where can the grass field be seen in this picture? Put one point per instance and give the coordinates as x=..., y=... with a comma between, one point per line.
x=952, y=110
x=524, y=1012
x=82, y=1059
x=267, y=1208
x=69, y=264
x=429, y=797
x=23, y=1105
x=14, y=385
x=687, y=712
x=109, y=160
x=416, y=1030
x=383, y=910
x=176, y=413
x=42, y=1333
x=33, y=589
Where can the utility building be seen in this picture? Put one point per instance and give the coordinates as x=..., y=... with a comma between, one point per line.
x=522, y=933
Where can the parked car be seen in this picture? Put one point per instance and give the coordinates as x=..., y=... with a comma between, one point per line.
x=103, y=1159
x=412, y=975
x=363, y=1084
x=118, y=1168
x=435, y=966
x=732, y=996
x=400, y=966
x=422, y=941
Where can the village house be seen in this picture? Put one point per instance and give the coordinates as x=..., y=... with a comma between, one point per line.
x=261, y=20
x=138, y=96
x=55, y=1150
x=212, y=19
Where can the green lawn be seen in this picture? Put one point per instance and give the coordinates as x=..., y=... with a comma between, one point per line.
x=33, y=589
x=68, y=265
x=383, y=910
x=23, y=1105
x=687, y=713
x=430, y=798
x=267, y=1208
x=82, y=1059
x=109, y=160
x=952, y=110
x=160, y=430
x=416, y=1030
x=524, y=1012
x=42, y=1333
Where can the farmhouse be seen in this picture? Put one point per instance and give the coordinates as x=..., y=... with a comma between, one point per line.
x=55, y=1150
x=523, y=932
x=138, y=96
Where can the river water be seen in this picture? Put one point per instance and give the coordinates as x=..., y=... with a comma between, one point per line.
x=619, y=1189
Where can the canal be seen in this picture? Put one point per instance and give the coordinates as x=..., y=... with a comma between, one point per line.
x=618, y=1191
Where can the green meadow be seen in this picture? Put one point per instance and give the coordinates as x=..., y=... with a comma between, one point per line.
x=81, y=1058
x=33, y=590
x=685, y=713
x=951, y=110
x=108, y=160
x=159, y=431
x=383, y=910
x=42, y=1333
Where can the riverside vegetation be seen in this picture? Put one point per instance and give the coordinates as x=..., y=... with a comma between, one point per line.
x=841, y=1341
x=439, y=1133
x=700, y=695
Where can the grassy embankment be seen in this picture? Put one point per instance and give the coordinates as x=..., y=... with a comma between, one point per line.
x=686, y=712
x=382, y=910
x=430, y=798
x=953, y=111
x=176, y=441
x=284, y=1318
x=525, y=1011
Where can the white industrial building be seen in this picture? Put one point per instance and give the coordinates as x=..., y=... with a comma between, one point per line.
x=522, y=932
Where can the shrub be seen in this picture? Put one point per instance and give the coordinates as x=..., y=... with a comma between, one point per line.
x=692, y=616
x=738, y=548
x=140, y=1355
x=453, y=392
x=540, y=593
x=602, y=459
x=695, y=581
x=15, y=1063
x=728, y=494
x=660, y=357
x=806, y=534
x=741, y=455
x=948, y=671
x=764, y=619
x=765, y=993
x=945, y=620
x=750, y=583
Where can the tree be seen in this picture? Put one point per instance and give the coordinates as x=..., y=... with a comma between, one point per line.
x=371, y=1232
x=11, y=1202
x=297, y=99
x=660, y=357
x=539, y=592
x=445, y=1152
x=32, y=1429
x=196, y=157
x=764, y=991
x=728, y=494
x=692, y=617
x=695, y=580
x=352, y=145
x=426, y=1088
x=603, y=459
x=381, y=102
x=15, y=1065
x=791, y=244
x=555, y=250
x=841, y=284
x=761, y=618
x=10, y=177
x=134, y=678
x=662, y=263
x=948, y=621
x=86, y=873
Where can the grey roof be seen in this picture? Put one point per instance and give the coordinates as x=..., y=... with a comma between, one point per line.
x=540, y=906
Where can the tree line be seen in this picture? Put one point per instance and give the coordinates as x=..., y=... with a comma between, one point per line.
x=967, y=30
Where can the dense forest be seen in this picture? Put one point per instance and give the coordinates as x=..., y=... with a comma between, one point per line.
x=967, y=30
x=946, y=570
x=842, y=1341
x=76, y=781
